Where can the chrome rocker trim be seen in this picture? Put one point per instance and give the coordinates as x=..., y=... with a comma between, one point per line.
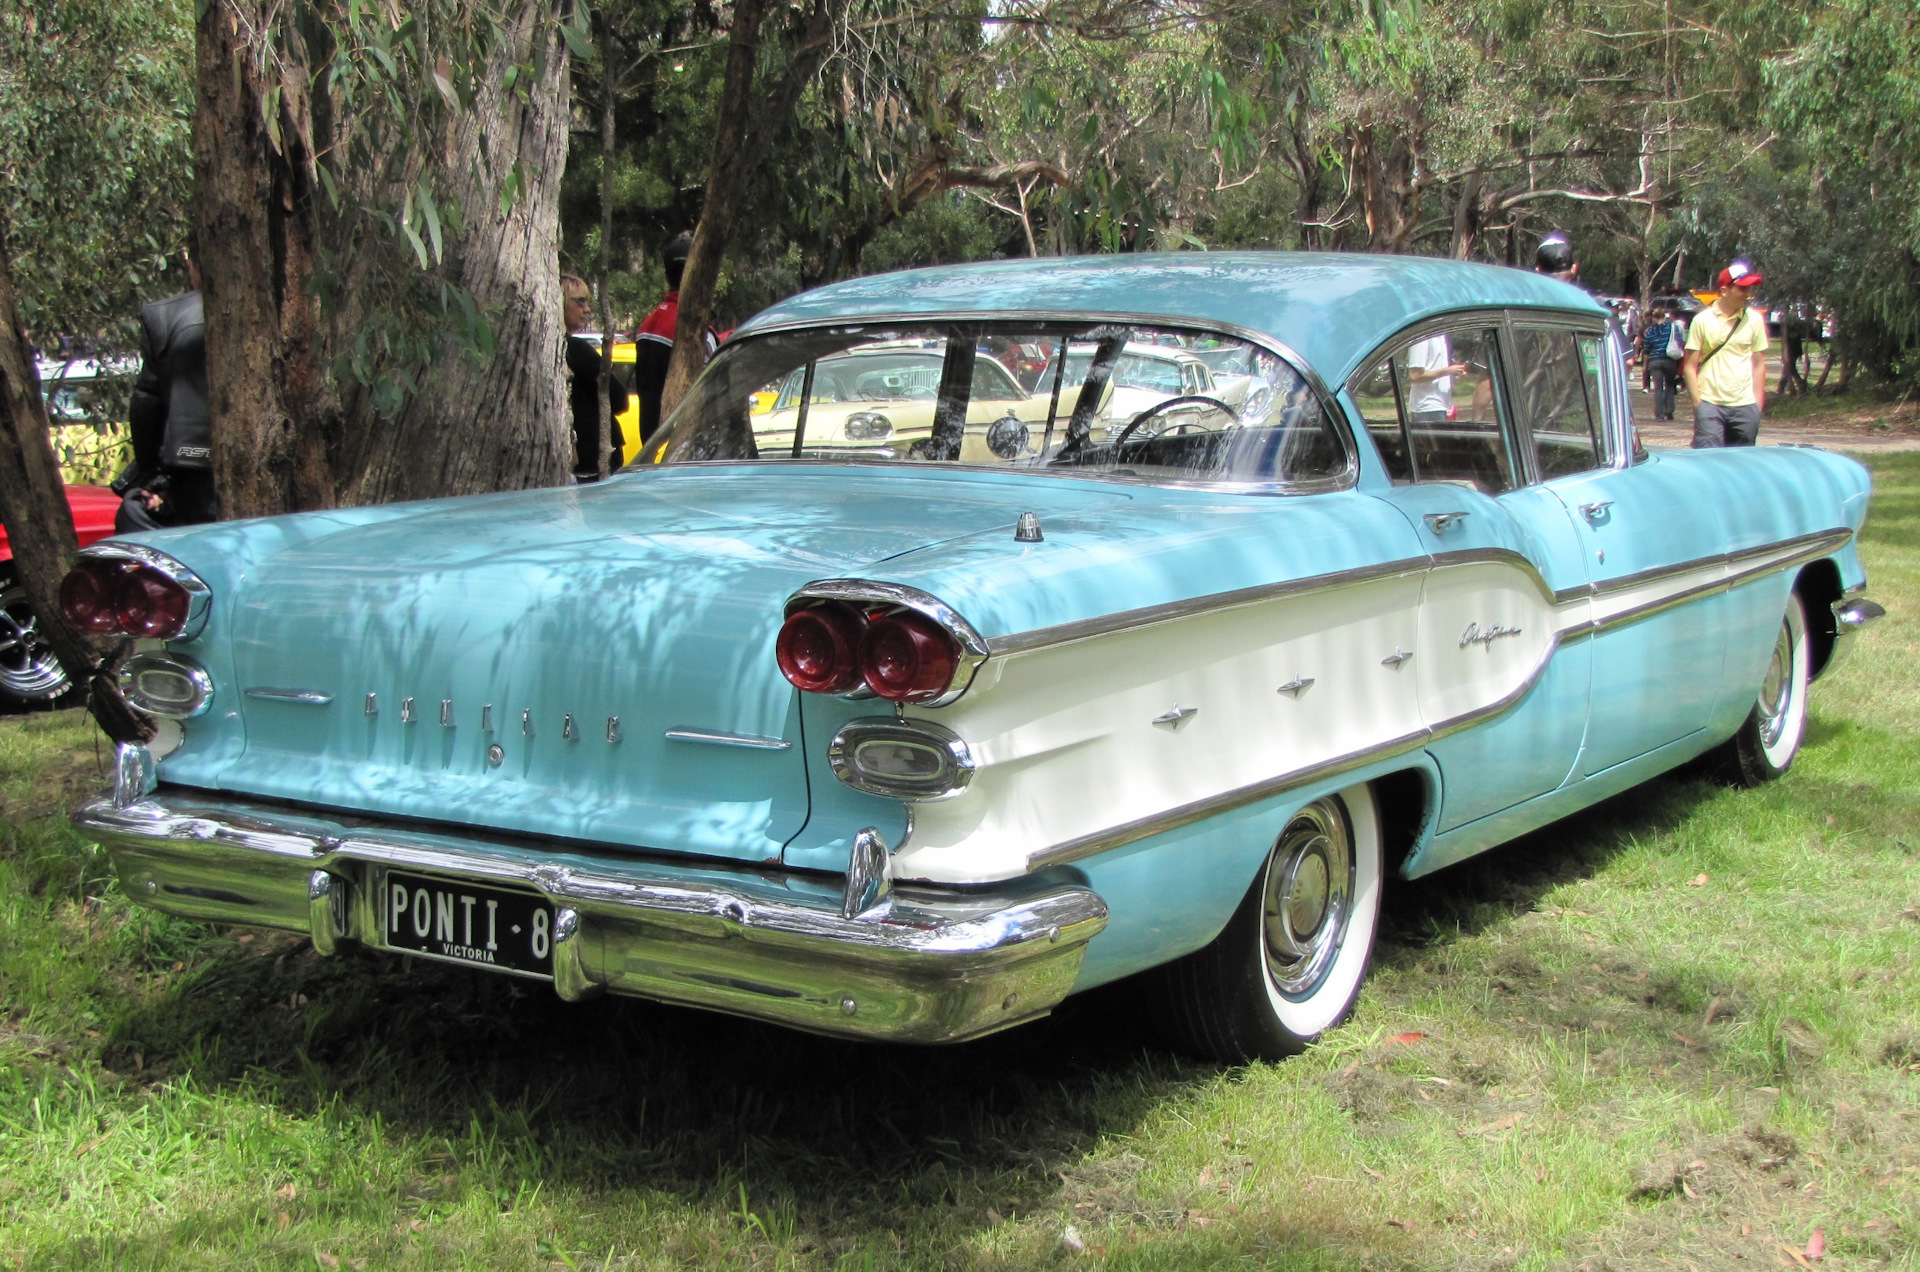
x=909, y=965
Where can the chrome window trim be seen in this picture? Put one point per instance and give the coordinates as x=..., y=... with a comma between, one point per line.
x=973, y=646
x=1345, y=479
x=199, y=596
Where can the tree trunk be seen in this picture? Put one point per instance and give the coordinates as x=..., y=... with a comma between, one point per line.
x=39, y=523
x=501, y=424
x=602, y=398
x=273, y=413
x=742, y=137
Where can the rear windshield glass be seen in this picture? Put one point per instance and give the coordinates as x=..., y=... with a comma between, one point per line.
x=1145, y=402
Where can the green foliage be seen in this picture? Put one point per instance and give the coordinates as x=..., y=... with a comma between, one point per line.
x=96, y=102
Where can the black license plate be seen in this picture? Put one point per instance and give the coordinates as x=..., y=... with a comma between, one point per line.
x=468, y=923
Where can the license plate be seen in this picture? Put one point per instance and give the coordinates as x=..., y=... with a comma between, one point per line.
x=468, y=923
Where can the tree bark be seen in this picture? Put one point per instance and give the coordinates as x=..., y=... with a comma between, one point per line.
x=274, y=414
x=501, y=424
x=742, y=138
x=603, y=398
x=39, y=522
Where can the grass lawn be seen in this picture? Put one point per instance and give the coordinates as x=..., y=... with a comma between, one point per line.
x=1682, y=1030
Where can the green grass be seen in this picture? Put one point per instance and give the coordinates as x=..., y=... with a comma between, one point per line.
x=1619, y=1069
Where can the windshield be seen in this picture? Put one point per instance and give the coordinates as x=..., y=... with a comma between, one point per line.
x=1106, y=399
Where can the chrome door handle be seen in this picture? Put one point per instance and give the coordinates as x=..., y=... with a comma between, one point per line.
x=1441, y=522
x=1596, y=512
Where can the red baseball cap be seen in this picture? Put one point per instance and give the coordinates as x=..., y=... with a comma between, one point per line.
x=1741, y=274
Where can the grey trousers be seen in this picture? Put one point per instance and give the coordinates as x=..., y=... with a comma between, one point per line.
x=1715, y=425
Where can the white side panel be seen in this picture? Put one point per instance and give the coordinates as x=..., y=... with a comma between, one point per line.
x=1066, y=745
x=1486, y=628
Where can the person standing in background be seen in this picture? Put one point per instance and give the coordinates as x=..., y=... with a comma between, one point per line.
x=1661, y=346
x=1554, y=258
x=583, y=374
x=170, y=481
x=653, y=347
x=1726, y=363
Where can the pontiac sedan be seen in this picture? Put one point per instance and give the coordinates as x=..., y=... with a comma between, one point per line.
x=913, y=743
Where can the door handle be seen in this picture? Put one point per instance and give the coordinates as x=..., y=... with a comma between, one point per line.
x=1441, y=522
x=1596, y=512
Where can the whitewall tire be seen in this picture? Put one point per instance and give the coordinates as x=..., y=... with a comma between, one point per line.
x=1289, y=964
x=1770, y=737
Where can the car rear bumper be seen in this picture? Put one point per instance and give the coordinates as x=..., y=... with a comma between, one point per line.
x=924, y=965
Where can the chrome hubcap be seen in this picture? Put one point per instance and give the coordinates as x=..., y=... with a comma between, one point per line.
x=1776, y=691
x=1308, y=898
x=28, y=668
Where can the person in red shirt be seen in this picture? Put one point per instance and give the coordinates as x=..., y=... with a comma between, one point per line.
x=653, y=347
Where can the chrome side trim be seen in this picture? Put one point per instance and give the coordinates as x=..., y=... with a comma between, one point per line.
x=1803, y=548
x=199, y=596
x=310, y=697
x=923, y=965
x=1149, y=615
x=973, y=646
x=714, y=737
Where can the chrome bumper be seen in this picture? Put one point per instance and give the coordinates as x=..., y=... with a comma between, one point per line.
x=1850, y=615
x=922, y=965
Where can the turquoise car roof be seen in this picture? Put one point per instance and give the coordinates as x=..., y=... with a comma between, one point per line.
x=1330, y=308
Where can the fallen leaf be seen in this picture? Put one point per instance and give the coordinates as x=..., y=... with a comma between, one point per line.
x=1423, y=1093
x=1411, y=1036
x=326, y=1260
x=1371, y=1171
x=1698, y=881
x=1398, y=1223
x=1816, y=1245
x=1070, y=1238
x=1713, y=1011
x=1197, y=1219
x=1347, y=1072
x=993, y=1217
x=1684, y=1040
x=1795, y=1255
x=290, y=1191
x=1506, y=1123
x=88, y=1147
x=282, y=1220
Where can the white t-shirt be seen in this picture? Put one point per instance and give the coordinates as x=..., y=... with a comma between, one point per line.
x=1430, y=354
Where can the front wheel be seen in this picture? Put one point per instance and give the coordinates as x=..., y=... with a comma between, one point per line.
x=29, y=673
x=1288, y=965
x=1764, y=747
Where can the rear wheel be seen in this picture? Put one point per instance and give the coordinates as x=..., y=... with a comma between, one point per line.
x=29, y=673
x=1764, y=747
x=1288, y=966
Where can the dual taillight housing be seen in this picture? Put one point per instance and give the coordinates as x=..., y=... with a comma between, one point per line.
x=107, y=596
x=835, y=647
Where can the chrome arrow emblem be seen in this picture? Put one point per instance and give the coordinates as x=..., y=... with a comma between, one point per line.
x=1175, y=718
x=1297, y=686
x=1395, y=658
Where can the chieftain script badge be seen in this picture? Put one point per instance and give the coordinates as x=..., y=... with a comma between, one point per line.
x=1476, y=635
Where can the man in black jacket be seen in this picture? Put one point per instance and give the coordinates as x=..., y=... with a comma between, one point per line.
x=170, y=482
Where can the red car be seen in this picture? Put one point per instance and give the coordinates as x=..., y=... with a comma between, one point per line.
x=29, y=673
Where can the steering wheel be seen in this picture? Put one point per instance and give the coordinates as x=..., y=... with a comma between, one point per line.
x=1162, y=408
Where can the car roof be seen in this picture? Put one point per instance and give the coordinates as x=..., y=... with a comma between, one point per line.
x=1331, y=308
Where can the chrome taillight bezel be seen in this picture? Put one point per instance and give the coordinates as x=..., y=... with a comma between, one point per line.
x=136, y=555
x=138, y=669
x=875, y=599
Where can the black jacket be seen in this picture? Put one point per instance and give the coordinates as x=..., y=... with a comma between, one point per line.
x=171, y=425
x=583, y=364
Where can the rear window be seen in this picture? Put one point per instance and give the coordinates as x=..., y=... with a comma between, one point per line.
x=1107, y=399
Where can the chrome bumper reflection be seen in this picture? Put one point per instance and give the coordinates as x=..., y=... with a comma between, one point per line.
x=924, y=966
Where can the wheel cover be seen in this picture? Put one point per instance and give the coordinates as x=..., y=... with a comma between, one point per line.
x=28, y=669
x=1777, y=690
x=1308, y=898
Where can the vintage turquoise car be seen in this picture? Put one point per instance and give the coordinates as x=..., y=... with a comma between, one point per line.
x=914, y=742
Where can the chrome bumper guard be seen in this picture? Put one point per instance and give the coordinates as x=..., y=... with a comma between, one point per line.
x=1850, y=615
x=921, y=965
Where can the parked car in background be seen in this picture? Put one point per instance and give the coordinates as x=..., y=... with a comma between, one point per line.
x=911, y=743
x=29, y=673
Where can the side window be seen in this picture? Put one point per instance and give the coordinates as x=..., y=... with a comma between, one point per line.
x=1559, y=379
x=1438, y=393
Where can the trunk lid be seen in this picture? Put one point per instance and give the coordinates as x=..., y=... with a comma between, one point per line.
x=573, y=630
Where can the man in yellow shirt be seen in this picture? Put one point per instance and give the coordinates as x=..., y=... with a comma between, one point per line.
x=1726, y=363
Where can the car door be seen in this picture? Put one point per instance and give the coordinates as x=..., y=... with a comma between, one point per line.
x=1505, y=699
x=1649, y=541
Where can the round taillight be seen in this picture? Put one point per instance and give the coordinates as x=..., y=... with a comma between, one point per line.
x=148, y=603
x=907, y=657
x=86, y=597
x=819, y=649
